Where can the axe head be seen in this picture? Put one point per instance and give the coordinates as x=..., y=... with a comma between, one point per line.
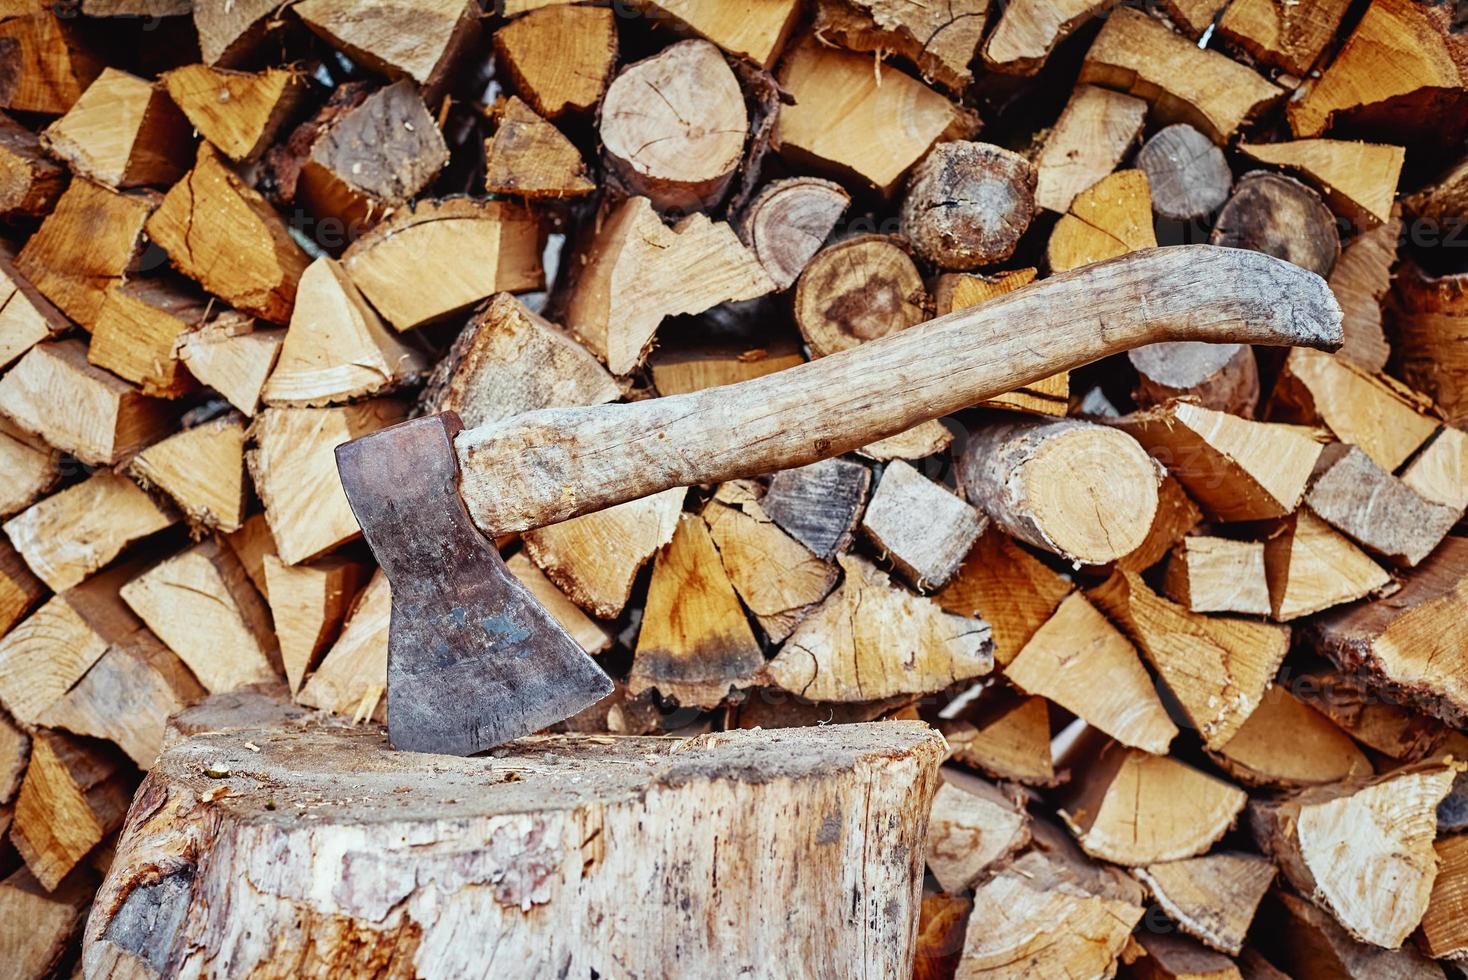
x=473, y=659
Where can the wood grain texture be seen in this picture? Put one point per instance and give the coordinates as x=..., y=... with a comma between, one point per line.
x=572, y=461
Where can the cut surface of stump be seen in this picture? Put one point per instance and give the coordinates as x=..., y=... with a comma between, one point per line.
x=788, y=222
x=858, y=290
x=522, y=845
x=1343, y=844
x=967, y=204
x=871, y=639
x=1082, y=491
x=673, y=126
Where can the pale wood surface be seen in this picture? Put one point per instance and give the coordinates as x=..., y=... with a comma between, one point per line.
x=1028, y=30
x=202, y=469
x=26, y=317
x=1209, y=574
x=922, y=527
x=138, y=332
x=940, y=39
x=529, y=157
x=239, y=112
x=571, y=461
x=857, y=290
x=972, y=826
x=1358, y=179
x=1381, y=512
x=1273, y=213
x=1010, y=589
x=1111, y=217
x=1224, y=377
x=1310, y=568
x=1093, y=134
x=234, y=358
x=1277, y=32
x=560, y=57
x=1286, y=743
x=1187, y=176
x=420, y=41
x=1212, y=898
x=123, y=131
x=754, y=30
x=308, y=603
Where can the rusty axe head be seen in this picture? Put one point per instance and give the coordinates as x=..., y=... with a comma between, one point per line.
x=473, y=659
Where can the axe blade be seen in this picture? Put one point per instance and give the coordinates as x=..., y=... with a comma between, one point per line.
x=473, y=659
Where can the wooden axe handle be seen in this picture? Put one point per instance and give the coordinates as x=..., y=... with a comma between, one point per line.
x=550, y=465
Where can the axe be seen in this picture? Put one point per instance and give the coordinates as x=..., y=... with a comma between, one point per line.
x=473, y=659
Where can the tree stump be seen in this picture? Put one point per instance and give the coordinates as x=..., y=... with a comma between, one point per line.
x=327, y=853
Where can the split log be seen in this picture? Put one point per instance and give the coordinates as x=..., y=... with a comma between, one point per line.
x=422, y=42
x=590, y=635
x=43, y=657
x=106, y=421
x=1094, y=132
x=1110, y=218
x=1177, y=516
x=922, y=527
x=213, y=212
x=681, y=368
x=38, y=927
x=967, y=204
x=30, y=182
x=1050, y=911
x=1279, y=216
x=1217, y=668
x=778, y=578
x=1212, y=898
x=1008, y=588
x=1439, y=472
x=233, y=357
x=1337, y=843
x=1358, y=179
x=1360, y=280
x=960, y=291
x=138, y=331
x=26, y=317
x=673, y=126
x=1379, y=511
x=71, y=534
x=1218, y=575
x=756, y=31
x=251, y=544
x=973, y=826
x=1062, y=661
x=202, y=469
x=1311, y=568
x=294, y=471
x=1008, y=739
x=595, y=558
x=922, y=440
x=1184, y=83
x=638, y=791
x=941, y=926
x=1444, y=928
x=1312, y=946
x=838, y=101
x=819, y=504
x=92, y=238
x=230, y=32
x=75, y=793
x=1028, y=30
x=124, y=131
x=871, y=639
x=695, y=644
x=1431, y=314
x=435, y=259
x=1082, y=491
x=788, y=222
x=1287, y=743
x=1281, y=34
x=858, y=290
x=1223, y=377
x=1383, y=727
x=1403, y=643
x=508, y=360
x=50, y=64
x=658, y=272
x=240, y=113
x=201, y=603
x=372, y=158
x=20, y=591
x=308, y=603
x=337, y=349
x=1187, y=175
x=1237, y=469
x=31, y=467
x=1132, y=808
x=529, y=157
x=1403, y=69
x=1169, y=956
x=560, y=57
x=352, y=677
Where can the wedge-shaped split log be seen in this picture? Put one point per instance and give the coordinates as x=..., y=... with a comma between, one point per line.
x=1310, y=568
x=1286, y=743
x=873, y=639
x=1006, y=736
x=1007, y=587
x=203, y=470
x=537, y=846
x=1218, y=668
x=239, y=112
x=973, y=826
x=1356, y=496
x=1212, y=898
x=1340, y=843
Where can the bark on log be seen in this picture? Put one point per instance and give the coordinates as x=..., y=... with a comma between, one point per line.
x=840, y=834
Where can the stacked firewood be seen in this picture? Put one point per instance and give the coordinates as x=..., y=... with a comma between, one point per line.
x=1191, y=619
